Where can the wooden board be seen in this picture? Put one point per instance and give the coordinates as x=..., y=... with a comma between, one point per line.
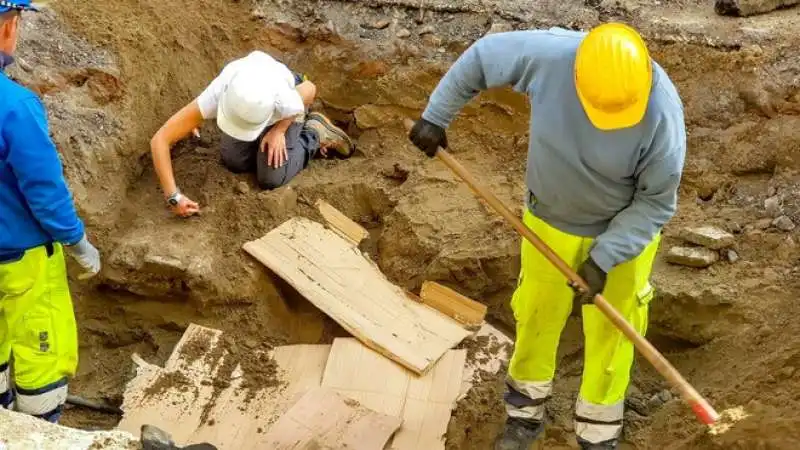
x=342, y=224
x=181, y=397
x=451, y=303
x=336, y=278
x=425, y=403
x=325, y=420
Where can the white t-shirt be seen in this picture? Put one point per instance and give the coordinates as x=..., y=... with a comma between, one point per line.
x=288, y=103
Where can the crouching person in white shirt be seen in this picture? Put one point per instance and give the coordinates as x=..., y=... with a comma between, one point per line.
x=261, y=106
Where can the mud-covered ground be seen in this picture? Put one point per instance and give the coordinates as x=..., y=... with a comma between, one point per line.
x=111, y=75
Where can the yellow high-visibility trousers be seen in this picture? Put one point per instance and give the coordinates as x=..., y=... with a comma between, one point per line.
x=37, y=331
x=542, y=303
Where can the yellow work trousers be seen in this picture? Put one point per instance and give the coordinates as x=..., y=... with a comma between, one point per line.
x=38, y=335
x=542, y=303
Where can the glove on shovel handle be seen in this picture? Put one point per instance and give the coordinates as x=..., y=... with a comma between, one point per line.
x=702, y=409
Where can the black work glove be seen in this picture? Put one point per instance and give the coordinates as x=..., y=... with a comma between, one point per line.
x=595, y=277
x=428, y=137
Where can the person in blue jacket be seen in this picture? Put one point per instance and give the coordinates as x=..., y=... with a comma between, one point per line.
x=38, y=223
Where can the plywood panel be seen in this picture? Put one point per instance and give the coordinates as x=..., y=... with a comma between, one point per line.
x=325, y=420
x=337, y=279
x=181, y=398
x=425, y=403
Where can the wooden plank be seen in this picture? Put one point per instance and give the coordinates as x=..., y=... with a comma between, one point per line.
x=452, y=304
x=325, y=420
x=345, y=227
x=336, y=278
x=425, y=403
x=192, y=400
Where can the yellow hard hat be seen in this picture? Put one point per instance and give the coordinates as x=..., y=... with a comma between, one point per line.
x=613, y=76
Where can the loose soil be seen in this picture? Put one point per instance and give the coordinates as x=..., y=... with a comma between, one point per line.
x=111, y=75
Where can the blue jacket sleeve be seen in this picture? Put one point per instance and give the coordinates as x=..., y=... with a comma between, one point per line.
x=34, y=160
x=495, y=60
x=654, y=201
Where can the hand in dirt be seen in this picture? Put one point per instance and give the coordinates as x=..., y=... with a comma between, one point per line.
x=595, y=277
x=428, y=137
x=185, y=207
x=274, y=144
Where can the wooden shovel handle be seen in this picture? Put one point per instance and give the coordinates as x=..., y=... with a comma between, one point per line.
x=702, y=409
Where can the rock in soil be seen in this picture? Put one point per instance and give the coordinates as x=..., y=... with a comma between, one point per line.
x=692, y=256
x=500, y=27
x=783, y=223
x=378, y=25
x=710, y=237
x=773, y=206
x=732, y=255
x=242, y=187
x=744, y=8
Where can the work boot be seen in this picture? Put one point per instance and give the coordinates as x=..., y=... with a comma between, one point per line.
x=605, y=445
x=518, y=434
x=330, y=136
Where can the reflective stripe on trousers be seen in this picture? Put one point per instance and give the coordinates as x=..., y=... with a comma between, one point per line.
x=542, y=304
x=526, y=400
x=598, y=423
x=44, y=402
x=6, y=393
x=37, y=327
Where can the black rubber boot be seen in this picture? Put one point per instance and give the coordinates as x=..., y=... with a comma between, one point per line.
x=518, y=434
x=605, y=445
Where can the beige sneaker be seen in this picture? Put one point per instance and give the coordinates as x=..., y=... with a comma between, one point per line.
x=330, y=136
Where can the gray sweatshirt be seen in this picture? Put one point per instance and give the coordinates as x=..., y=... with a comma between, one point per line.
x=619, y=186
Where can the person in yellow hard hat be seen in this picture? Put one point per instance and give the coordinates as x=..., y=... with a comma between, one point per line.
x=606, y=152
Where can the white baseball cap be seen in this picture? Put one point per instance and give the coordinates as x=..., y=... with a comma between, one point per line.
x=247, y=104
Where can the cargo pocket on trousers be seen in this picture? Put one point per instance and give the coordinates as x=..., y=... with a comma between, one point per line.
x=17, y=277
x=37, y=335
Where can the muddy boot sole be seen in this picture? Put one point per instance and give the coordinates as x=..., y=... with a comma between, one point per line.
x=325, y=122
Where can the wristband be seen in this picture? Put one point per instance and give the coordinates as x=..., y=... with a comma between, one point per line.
x=175, y=198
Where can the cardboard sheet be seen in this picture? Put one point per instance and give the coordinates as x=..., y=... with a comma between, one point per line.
x=424, y=403
x=325, y=420
x=194, y=401
x=334, y=276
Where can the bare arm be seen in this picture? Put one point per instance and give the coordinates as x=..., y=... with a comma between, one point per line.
x=176, y=128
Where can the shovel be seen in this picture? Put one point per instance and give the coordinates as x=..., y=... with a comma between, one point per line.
x=702, y=409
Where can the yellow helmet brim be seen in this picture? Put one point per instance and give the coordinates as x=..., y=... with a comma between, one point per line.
x=607, y=121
